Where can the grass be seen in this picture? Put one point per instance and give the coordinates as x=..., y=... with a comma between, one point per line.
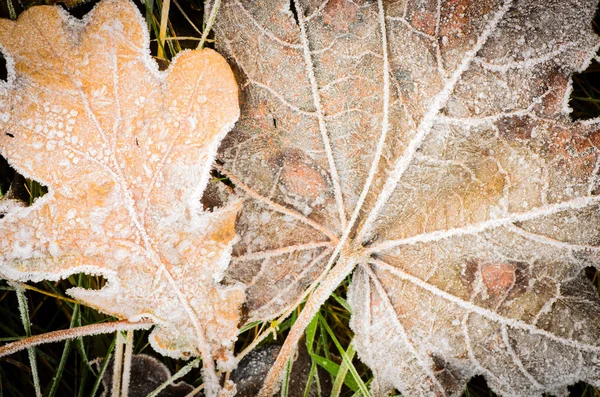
x=64, y=369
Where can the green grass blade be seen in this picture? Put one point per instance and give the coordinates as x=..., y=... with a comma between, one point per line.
x=285, y=384
x=310, y=332
x=149, y=4
x=84, y=372
x=342, y=302
x=64, y=356
x=359, y=394
x=249, y=326
x=347, y=360
x=103, y=366
x=334, y=369
x=336, y=388
x=311, y=378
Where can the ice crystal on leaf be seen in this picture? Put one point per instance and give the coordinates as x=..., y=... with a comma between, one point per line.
x=125, y=151
x=428, y=146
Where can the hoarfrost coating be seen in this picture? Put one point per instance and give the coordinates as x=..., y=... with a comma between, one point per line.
x=438, y=136
x=126, y=153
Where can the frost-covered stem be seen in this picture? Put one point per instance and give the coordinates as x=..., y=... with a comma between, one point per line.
x=319, y=296
x=209, y=24
x=127, y=364
x=162, y=33
x=117, y=366
x=273, y=328
x=71, y=333
x=179, y=374
x=24, y=311
x=11, y=10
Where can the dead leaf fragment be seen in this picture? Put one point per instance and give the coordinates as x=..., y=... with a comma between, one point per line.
x=126, y=152
x=428, y=143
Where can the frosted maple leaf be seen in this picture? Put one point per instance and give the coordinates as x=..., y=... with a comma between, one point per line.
x=125, y=151
x=427, y=145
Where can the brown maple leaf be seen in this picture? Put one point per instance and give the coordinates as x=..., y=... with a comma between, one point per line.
x=429, y=145
x=125, y=151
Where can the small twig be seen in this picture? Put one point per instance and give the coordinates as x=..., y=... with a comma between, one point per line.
x=63, y=334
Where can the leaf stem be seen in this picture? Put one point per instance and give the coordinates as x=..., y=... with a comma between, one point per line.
x=313, y=304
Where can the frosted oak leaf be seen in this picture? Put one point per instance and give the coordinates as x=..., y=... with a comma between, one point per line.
x=427, y=147
x=125, y=151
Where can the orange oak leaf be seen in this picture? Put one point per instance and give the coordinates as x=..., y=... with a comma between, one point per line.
x=425, y=147
x=125, y=151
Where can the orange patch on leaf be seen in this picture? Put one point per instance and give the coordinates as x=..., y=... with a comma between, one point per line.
x=498, y=277
x=340, y=14
x=300, y=178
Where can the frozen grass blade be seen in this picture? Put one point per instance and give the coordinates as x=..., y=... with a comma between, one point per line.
x=211, y=21
x=23, y=309
x=13, y=15
x=342, y=302
x=359, y=393
x=179, y=374
x=47, y=293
